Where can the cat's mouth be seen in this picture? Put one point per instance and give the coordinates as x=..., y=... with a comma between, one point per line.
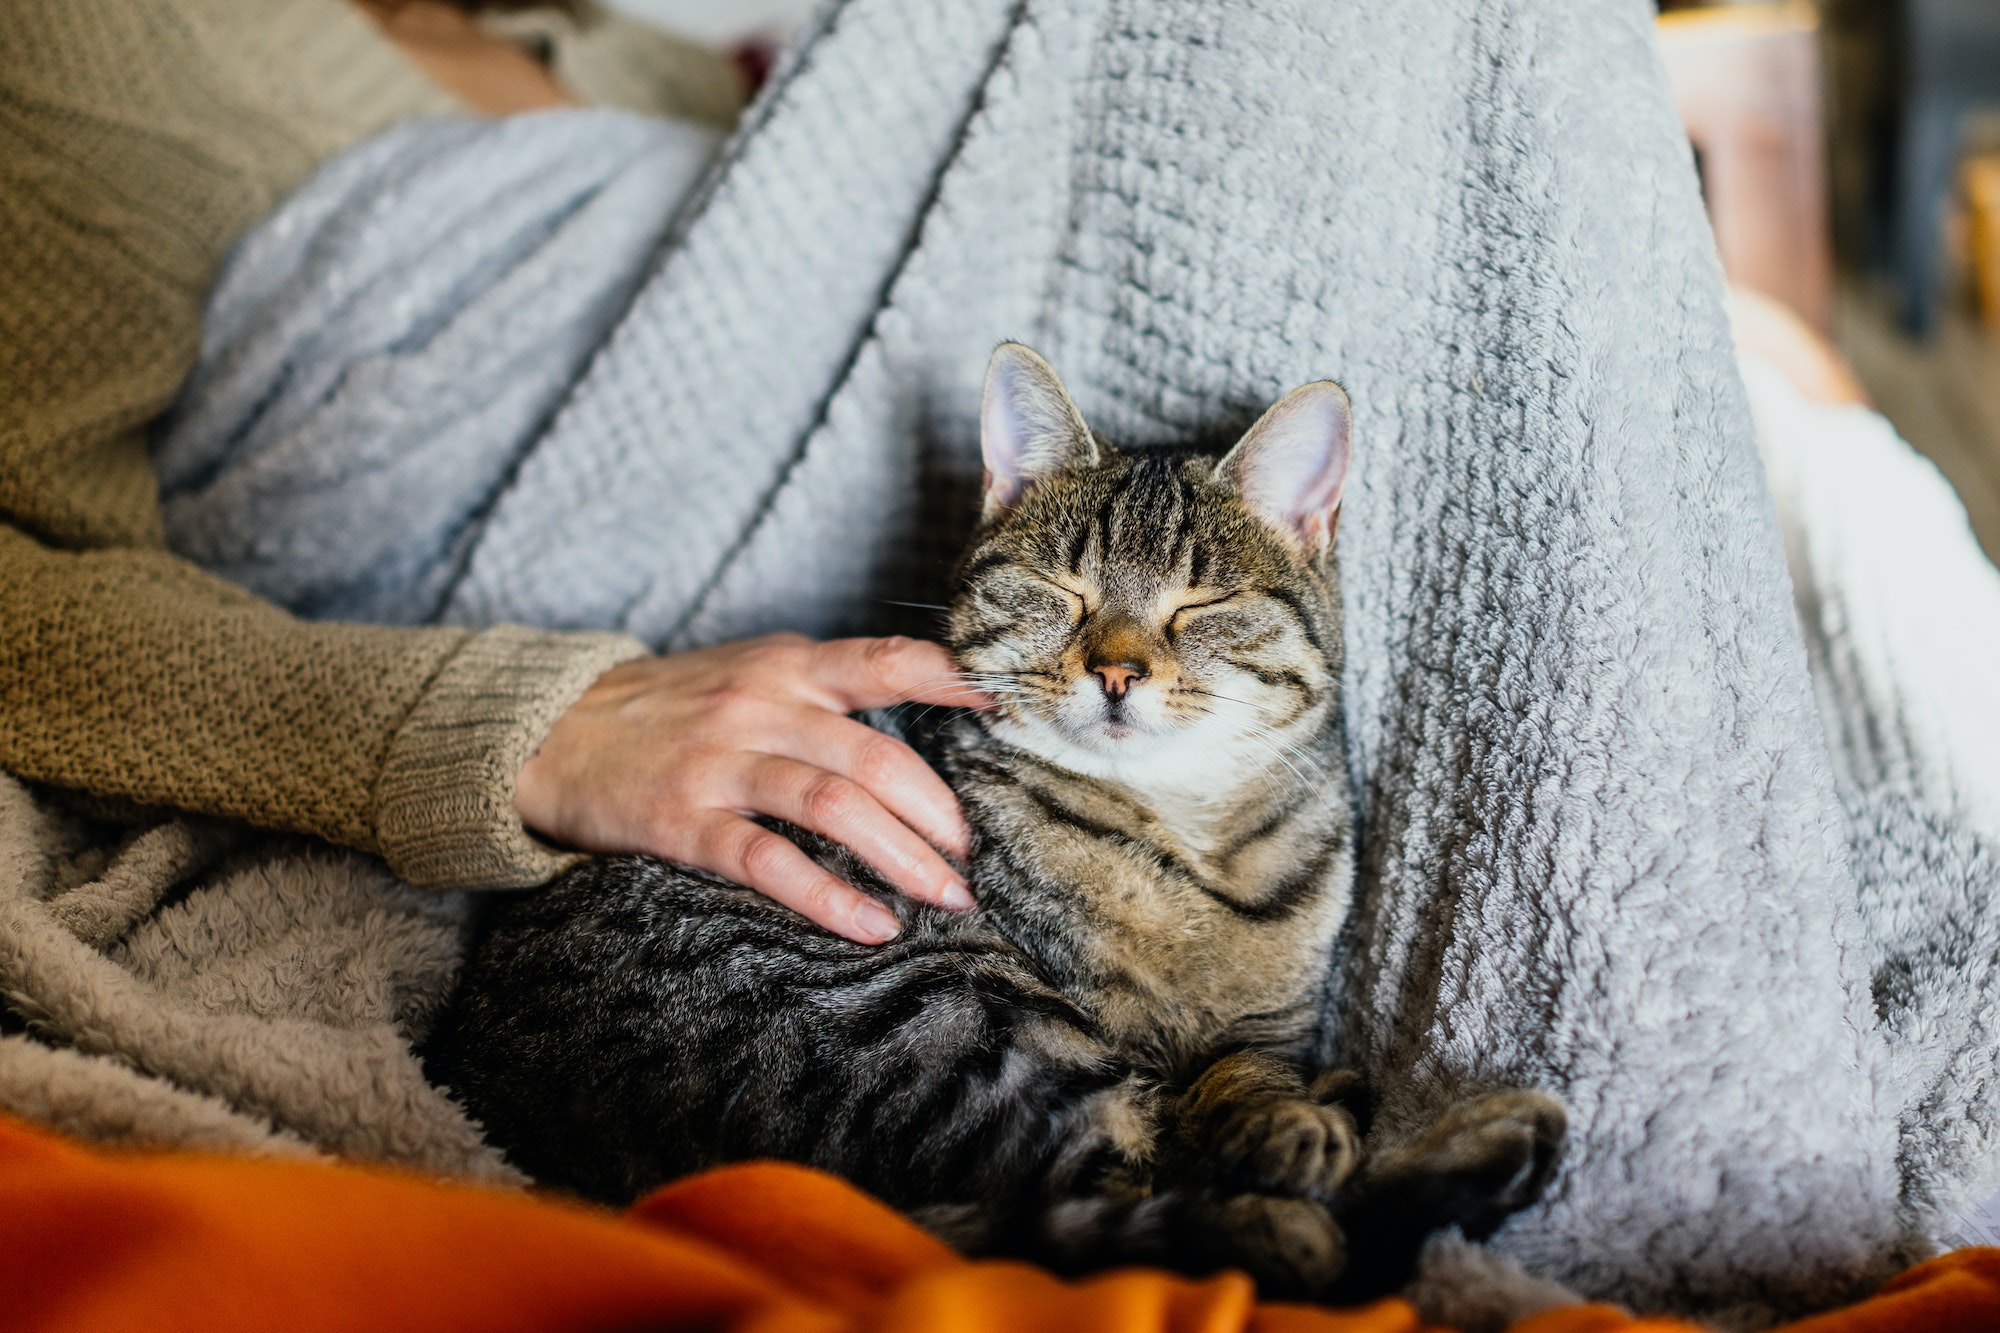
x=1115, y=722
x=1104, y=721
x=1107, y=738
x=1065, y=717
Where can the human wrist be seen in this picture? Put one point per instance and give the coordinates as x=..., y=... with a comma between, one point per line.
x=444, y=808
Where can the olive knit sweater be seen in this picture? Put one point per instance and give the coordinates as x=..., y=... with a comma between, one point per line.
x=138, y=139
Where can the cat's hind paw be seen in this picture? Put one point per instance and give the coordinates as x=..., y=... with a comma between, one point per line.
x=1481, y=1162
x=1496, y=1154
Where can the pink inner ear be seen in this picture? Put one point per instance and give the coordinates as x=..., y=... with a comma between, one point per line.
x=1028, y=428
x=1001, y=441
x=999, y=492
x=1002, y=438
x=1292, y=465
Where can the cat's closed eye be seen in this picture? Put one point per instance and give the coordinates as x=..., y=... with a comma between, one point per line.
x=1191, y=604
x=1081, y=594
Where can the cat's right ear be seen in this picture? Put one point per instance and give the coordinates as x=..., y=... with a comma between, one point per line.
x=1028, y=428
x=1291, y=467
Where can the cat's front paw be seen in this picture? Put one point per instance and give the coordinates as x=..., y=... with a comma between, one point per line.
x=1285, y=1145
x=1253, y=1123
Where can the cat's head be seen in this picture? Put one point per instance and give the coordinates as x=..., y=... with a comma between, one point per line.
x=1153, y=613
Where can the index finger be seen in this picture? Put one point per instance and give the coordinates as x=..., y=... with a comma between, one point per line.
x=873, y=673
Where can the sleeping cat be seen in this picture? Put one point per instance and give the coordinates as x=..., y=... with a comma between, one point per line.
x=1098, y=1064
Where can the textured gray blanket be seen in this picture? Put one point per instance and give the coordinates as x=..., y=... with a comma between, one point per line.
x=1604, y=850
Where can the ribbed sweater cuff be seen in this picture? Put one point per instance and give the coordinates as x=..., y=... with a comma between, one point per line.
x=444, y=805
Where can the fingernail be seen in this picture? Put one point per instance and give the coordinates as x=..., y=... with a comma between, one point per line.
x=956, y=896
x=875, y=923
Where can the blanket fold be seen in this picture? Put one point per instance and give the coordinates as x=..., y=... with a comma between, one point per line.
x=221, y=989
x=1603, y=847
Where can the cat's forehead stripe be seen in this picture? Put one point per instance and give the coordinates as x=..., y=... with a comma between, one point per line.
x=1079, y=548
x=1144, y=517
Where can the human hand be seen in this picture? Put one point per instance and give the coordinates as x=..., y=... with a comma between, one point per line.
x=673, y=757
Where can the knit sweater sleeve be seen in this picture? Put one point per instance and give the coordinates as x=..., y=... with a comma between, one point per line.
x=127, y=672
x=139, y=138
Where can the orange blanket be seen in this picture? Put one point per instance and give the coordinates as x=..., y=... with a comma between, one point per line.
x=94, y=1240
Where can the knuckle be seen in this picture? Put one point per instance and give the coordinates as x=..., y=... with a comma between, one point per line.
x=664, y=809
x=878, y=762
x=823, y=897
x=884, y=656
x=662, y=831
x=730, y=707
x=779, y=648
x=762, y=854
x=716, y=840
x=761, y=659
x=703, y=844
x=689, y=785
x=830, y=800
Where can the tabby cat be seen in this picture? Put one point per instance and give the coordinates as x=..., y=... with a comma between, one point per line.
x=1097, y=1064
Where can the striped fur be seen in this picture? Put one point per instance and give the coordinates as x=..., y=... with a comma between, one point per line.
x=1094, y=1066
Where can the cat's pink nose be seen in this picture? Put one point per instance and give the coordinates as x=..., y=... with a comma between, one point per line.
x=1119, y=677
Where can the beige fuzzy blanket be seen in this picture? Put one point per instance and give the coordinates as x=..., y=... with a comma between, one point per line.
x=194, y=984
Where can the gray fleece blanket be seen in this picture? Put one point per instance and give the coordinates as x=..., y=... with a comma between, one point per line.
x=556, y=370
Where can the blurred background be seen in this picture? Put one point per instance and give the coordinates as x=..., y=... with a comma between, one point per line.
x=721, y=22
x=1849, y=153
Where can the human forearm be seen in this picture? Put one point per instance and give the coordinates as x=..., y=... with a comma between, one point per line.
x=130, y=673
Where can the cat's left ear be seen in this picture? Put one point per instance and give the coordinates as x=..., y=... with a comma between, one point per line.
x=1028, y=428
x=1290, y=467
